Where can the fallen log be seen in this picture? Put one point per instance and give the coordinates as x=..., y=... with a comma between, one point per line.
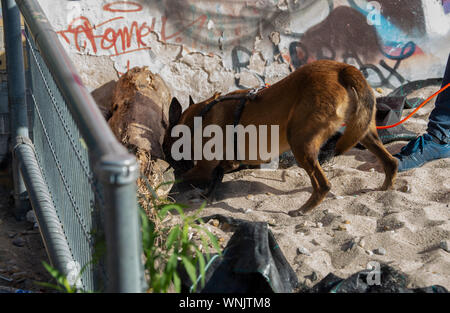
x=140, y=106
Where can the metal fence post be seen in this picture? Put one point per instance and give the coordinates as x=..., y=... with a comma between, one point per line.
x=118, y=174
x=49, y=225
x=16, y=96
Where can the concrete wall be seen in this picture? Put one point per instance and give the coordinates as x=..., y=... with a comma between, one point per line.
x=203, y=46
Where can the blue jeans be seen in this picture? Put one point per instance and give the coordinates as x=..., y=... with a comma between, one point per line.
x=439, y=121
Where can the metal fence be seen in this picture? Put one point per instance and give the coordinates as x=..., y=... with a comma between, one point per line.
x=80, y=181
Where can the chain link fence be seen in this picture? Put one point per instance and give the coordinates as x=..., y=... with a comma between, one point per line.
x=63, y=158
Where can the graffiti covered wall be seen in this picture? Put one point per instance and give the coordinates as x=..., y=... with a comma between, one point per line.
x=203, y=46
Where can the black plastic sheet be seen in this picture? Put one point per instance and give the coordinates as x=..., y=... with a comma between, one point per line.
x=389, y=112
x=252, y=262
x=406, y=89
x=391, y=281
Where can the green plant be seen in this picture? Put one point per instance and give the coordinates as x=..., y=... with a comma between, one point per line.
x=166, y=248
x=62, y=283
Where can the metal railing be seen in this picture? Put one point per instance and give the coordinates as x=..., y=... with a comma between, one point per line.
x=80, y=180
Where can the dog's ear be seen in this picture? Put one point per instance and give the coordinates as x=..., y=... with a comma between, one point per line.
x=191, y=101
x=175, y=111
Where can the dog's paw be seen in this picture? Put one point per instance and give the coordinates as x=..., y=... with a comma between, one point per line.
x=387, y=186
x=383, y=188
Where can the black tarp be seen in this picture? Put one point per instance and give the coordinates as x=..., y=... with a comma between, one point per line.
x=252, y=261
x=408, y=88
x=389, y=112
x=391, y=281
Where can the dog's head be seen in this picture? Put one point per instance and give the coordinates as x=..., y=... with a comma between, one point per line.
x=175, y=113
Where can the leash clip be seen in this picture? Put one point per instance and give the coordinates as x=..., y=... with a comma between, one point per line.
x=252, y=94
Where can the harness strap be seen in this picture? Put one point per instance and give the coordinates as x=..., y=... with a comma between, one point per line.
x=251, y=95
x=237, y=118
x=209, y=106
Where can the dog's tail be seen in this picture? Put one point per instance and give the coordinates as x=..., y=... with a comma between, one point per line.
x=362, y=108
x=355, y=82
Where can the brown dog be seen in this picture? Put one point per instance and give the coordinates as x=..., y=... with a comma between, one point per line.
x=309, y=105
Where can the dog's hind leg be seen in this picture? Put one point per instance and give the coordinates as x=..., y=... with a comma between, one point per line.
x=306, y=157
x=390, y=164
x=328, y=149
x=355, y=130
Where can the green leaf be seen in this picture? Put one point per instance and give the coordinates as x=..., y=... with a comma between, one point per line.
x=54, y=273
x=60, y=278
x=177, y=282
x=172, y=263
x=190, y=269
x=148, y=233
x=176, y=181
x=69, y=288
x=48, y=285
x=202, y=265
x=149, y=187
x=166, y=208
x=185, y=235
x=206, y=245
x=173, y=235
x=213, y=240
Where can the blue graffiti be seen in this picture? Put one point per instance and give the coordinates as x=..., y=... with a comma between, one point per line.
x=389, y=34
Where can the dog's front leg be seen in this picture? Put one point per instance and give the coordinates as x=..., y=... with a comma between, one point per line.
x=217, y=177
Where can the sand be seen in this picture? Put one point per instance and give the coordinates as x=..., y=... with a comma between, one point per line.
x=409, y=222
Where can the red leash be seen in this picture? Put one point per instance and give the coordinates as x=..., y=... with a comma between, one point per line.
x=417, y=109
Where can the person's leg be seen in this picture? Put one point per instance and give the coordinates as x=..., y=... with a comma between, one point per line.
x=439, y=122
x=435, y=144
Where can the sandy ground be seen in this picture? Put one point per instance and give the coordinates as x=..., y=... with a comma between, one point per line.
x=409, y=222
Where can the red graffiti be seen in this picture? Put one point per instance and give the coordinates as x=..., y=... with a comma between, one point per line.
x=118, y=39
x=83, y=33
x=134, y=7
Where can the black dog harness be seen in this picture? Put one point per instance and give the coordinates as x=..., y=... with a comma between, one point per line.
x=251, y=95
